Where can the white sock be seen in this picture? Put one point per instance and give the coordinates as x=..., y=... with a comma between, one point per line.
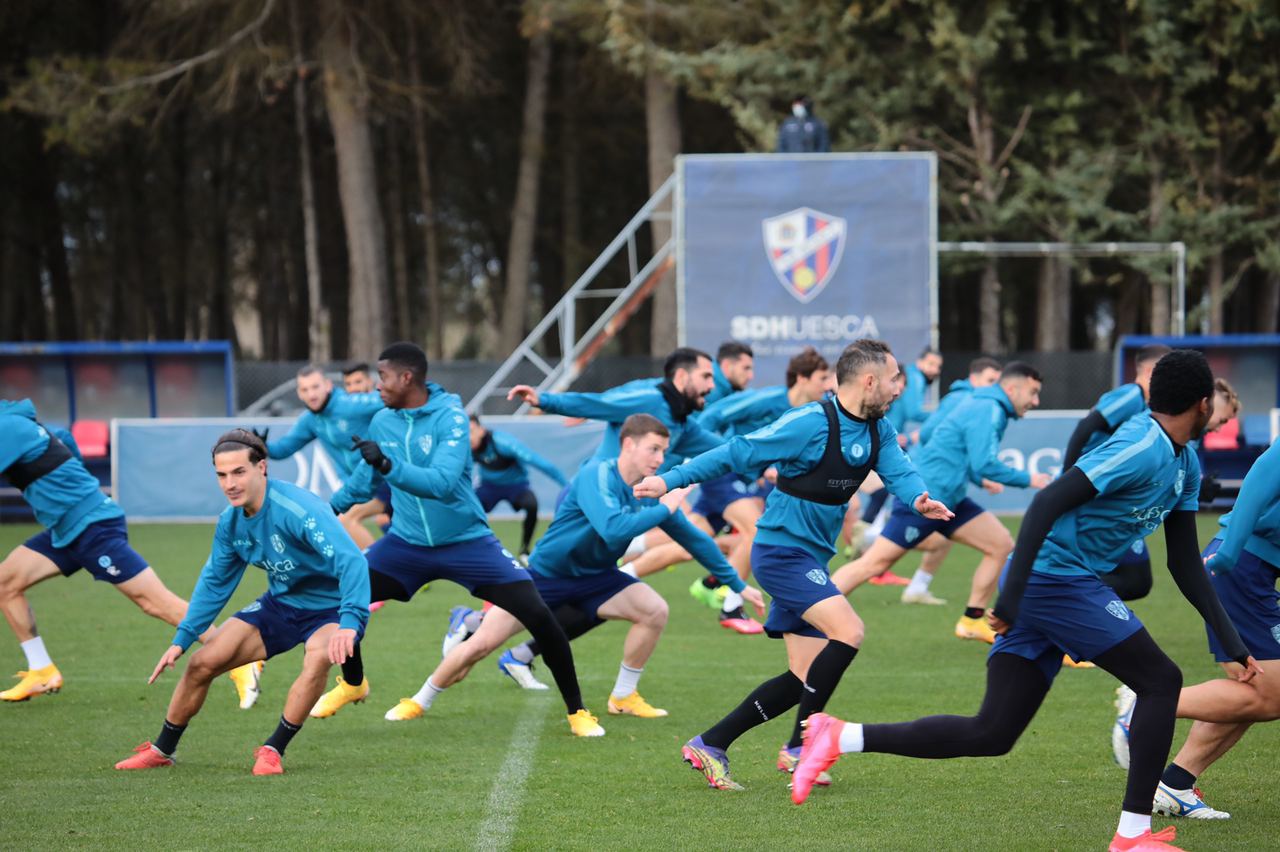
x=629, y=569
x=523, y=653
x=37, y=656
x=1132, y=825
x=635, y=548
x=628, y=680
x=427, y=694
x=920, y=582
x=732, y=601
x=851, y=737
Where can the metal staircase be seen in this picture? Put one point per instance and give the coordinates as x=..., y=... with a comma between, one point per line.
x=558, y=329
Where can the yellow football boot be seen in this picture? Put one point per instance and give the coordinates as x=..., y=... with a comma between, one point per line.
x=37, y=682
x=634, y=705
x=583, y=724
x=404, y=711
x=338, y=697
x=248, y=683
x=975, y=628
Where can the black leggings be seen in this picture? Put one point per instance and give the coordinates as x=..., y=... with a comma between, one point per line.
x=1131, y=582
x=1016, y=689
x=527, y=503
x=522, y=600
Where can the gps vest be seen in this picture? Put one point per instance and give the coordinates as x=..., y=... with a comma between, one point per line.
x=833, y=481
x=22, y=474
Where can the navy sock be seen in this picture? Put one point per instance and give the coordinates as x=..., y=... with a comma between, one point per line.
x=353, y=668
x=767, y=701
x=1178, y=778
x=974, y=612
x=167, y=742
x=824, y=675
x=284, y=732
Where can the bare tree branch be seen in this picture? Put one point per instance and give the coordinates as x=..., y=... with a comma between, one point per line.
x=1014, y=139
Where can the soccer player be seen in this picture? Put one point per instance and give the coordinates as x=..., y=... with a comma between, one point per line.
x=1053, y=602
x=575, y=564
x=738, y=501
x=822, y=452
x=963, y=449
x=419, y=444
x=983, y=373
x=357, y=379
x=733, y=371
x=504, y=464
x=83, y=529
x=908, y=408
x=317, y=596
x=332, y=417
x=1243, y=561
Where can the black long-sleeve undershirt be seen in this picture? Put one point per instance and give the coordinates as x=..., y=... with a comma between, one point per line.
x=1090, y=423
x=1187, y=570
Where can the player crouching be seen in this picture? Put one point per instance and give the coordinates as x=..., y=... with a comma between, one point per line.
x=318, y=595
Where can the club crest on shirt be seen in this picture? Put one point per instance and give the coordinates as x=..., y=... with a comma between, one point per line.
x=1275, y=633
x=277, y=542
x=817, y=575
x=342, y=426
x=856, y=451
x=913, y=533
x=1177, y=483
x=425, y=443
x=1119, y=610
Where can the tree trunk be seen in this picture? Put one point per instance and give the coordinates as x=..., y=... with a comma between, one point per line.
x=989, y=308
x=220, y=324
x=1160, y=309
x=570, y=172
x=524, y=213
x=1268, y=304
x=318, y=328
x=402, y=311
x=426, y=200
x=347, y=102
x=662, y=121
x=1053, y=306
x=1217, y=275
x=51, y=239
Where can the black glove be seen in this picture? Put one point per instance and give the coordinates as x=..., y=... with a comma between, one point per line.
x=266, y=430
x=372, y=454
x=1210, y=488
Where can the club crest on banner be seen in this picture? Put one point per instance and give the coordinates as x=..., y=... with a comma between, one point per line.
x=804, y=248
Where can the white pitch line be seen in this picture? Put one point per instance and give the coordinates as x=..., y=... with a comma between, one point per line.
x=505, y=797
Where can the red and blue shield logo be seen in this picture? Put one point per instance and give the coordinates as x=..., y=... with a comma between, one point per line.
x=804, y=248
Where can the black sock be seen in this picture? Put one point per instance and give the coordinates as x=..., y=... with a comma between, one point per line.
x=284, y=732
x=522, y=600
x=1178, y=778
x=710, y=582
x=167, y=742
x=767, y=701
x=974, y=612
x=824, y=675
x=353, y=668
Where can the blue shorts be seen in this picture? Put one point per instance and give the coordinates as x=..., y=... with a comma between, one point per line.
x=102, y=549
x=795, y=581
x=1076, y=615
x=383, y=493
x=906, y=528
x=491, y=494
x=715, y=495
x=481, y=561
x=1248, y=594
x=587, y=593
x=284, y=627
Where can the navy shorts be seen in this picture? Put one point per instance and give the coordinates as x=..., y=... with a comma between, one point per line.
x=1248, y=594
x=491, y=494
x=795, y=581
x=284, y=627
x=587, y=593
x=481, y=561
x=715, y=495
x=102, y=549
x=383, y=493
x=1076, y=615
x=906, y=529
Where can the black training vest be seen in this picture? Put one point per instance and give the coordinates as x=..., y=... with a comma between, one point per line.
x=488, y=457
x=833, y=481
x=22, y=474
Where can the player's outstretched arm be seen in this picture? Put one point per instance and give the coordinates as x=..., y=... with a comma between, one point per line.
x=218, y=580
x=613, y=522
x=1090, y=423
x=521, y=451
x=1259, y=492
x=612, y=406
x=357, y=488
x=302, y=433
x=1193, y=581
x=525, y=393
x=1064, y=494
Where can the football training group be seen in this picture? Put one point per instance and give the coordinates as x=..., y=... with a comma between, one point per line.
x=841, y=458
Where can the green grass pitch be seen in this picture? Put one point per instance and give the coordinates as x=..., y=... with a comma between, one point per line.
x=356, y=781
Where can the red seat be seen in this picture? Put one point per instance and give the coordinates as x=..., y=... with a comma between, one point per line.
x=1226, y=438
x=92, y=436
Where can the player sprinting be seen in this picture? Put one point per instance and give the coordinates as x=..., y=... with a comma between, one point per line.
x=83, y=529
x=1243, y=561
x=575, y=565
x=332, y=417
x=1053, y=602
x=822, y=452
x=317, y=596
x=419, y=444
x=963, y=449
x=504, y=463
